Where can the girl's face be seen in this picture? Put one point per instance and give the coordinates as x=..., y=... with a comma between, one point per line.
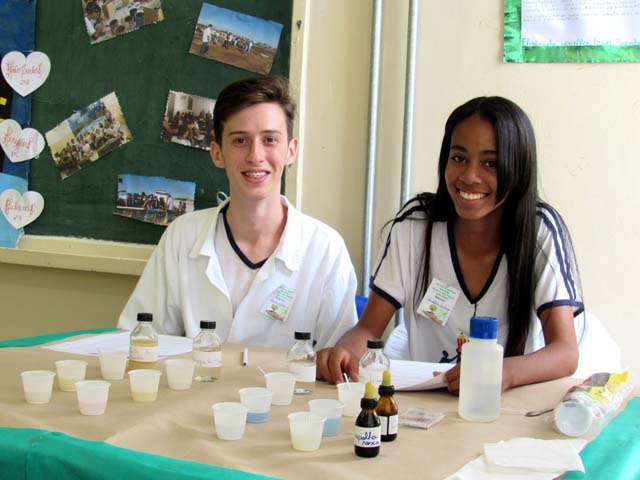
x=471, y=173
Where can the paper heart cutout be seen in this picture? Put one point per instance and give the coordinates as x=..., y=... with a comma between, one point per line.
x=25, y=74
x=19, y=144
x=21, y=210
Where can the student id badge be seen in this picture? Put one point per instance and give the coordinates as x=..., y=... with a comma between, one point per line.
x=438, y=301
x=279, y=303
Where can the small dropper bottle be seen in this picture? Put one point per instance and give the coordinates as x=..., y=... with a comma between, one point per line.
x=366, y=438
x=387, y=409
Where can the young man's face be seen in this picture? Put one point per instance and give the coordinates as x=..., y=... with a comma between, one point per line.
x=254, y=150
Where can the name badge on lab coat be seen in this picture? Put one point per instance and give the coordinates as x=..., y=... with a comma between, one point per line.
x=438, y=301
x=279, y=303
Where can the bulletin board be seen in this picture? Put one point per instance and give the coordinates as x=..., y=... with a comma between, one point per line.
x=141, y=67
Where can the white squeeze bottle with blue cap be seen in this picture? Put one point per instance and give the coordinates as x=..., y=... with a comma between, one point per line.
x=481, y=372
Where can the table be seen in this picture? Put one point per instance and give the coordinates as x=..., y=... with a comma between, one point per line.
x=179, y=424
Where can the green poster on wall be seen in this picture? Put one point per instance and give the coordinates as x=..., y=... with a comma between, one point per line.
x=582, y=49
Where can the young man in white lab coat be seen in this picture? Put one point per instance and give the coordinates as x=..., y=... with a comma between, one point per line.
x=258, y=267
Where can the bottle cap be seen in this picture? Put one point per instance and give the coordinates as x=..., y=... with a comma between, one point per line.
x=369, y=399
x=375, y=343
x=302, y=335
x=207, y=324
x=386, y=388
x=145, y=317
x=484, y=328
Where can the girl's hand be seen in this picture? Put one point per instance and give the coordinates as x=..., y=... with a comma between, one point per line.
x=452, y=378
x=333, y=362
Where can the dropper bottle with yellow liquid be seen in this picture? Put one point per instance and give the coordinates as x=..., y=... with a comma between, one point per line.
x=143, y=344
x=367, y=431
x=387, y=409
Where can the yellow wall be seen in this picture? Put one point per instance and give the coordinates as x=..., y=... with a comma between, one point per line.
x=585, y=118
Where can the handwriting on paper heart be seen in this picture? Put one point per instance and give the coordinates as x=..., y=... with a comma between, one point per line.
x=18, y=144
x=21, y=210
x=25, y=74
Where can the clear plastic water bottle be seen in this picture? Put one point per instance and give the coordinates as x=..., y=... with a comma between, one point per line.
x=143, y=343
x=301, y=361
x=207, y=353
x=481, y=372
x=373, y=363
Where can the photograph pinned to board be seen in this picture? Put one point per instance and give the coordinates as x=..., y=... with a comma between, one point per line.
x=155, y=200
x=188, y=120
x=235, y=38
x=25, y=74
x=105, y=19
x=88, y=135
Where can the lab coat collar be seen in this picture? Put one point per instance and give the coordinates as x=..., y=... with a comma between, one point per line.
x=287, y=251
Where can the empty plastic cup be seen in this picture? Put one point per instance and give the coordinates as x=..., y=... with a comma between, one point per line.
x=113, y=363
x=350, y=394
x=282, y=385
x=230, y=419
x=258, y=400
x=70, y=372
x=306, y=430
x=92, y=396
x=179, y=373
x=144, y=384
x=37, y=385
x=332, y=410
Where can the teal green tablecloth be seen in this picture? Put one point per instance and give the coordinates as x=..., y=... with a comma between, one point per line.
x=30, y=454
x=615, y=453
x=52, y=337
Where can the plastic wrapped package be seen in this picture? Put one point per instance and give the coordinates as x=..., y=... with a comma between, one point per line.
x=586, y=408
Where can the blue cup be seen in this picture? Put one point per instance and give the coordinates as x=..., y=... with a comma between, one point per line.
x=330, y=409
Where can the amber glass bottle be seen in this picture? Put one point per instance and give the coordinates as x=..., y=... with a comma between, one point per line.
x=387, y=409
x=367, y=432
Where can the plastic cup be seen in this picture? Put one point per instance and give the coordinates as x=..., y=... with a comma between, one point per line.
x=282, y=385
x=229, y=419
x=144, y=384
x=37, y=386
x=332, y=410
x=350, y=394
x=92, y=396
x=70, y=372
x=258, y=400
x=179, y=373
x=113, y=363
x=306, y=430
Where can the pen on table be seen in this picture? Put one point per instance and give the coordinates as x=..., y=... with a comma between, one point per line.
x=245, y=357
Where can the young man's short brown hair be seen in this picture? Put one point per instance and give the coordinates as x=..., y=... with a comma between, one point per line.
x=249, y=92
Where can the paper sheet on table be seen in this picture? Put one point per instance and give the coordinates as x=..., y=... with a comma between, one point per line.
x=411, y=376
x=167, y=344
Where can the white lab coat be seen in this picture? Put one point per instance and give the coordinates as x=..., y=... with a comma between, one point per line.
x=182, y=284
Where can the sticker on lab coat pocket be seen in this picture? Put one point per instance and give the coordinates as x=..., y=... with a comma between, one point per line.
x=438, y=301
x=279, y=303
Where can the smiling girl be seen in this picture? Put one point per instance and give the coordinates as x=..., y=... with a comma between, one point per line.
x=482, y=245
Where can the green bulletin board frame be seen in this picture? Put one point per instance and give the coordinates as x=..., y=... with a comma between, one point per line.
x=515, y=52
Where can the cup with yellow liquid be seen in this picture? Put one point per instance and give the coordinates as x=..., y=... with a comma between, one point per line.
x=144, y=384
x=70, y=372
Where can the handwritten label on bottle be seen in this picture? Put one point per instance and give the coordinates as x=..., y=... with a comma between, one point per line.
x=367, y=437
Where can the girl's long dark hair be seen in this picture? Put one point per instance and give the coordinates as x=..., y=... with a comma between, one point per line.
x=517, y=181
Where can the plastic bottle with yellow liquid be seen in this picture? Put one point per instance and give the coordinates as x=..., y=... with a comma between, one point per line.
x=143, y=344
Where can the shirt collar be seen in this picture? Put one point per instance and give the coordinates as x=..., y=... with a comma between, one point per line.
x=287, y=251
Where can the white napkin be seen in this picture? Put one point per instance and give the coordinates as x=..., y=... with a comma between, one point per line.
x=524, y=458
